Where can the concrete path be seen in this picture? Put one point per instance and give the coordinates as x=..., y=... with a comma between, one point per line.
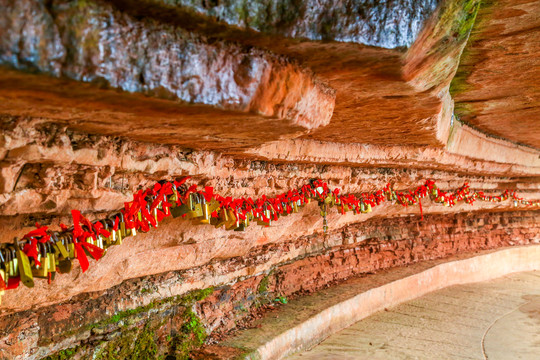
x=495, y=320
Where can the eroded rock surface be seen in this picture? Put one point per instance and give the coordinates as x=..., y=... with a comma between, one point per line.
x=91, y=41
x=387, y=24
x=100, y=98
x=496, y=87
x=100, y=321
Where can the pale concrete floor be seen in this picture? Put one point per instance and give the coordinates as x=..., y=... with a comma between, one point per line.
x=495, y=320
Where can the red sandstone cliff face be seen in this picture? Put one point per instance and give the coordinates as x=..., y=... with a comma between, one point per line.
x=296, y=266
x=126, y=94
x=496, y=87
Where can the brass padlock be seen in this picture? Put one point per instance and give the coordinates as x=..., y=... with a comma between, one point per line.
x=122, y=226
x=52, y=261
x=4, y=266
x=182, y=209
x=268, y=215
x=155, y=214
x=173, y=198
x=87, y=252
x=205, y=219
x=241, y=227
x=24, y=268
x=3, y=276
x=329, y=200
x=118, y=237
x=213, y=206
x=107, y=225
x=41, y=271
x=9, y=262
x=221, y=220
x=324, y=209
x=362, y=207
x=60, y=246
x=284, y=207
x=70, y=246
x=15, y=262
x=196, y=207
x=232, y=222
x=64, y=266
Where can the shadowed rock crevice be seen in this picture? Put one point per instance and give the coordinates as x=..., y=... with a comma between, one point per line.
x=387, y=24
x=91, y=41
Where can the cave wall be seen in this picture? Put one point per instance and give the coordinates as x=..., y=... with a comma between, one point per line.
x=150, y=315
x=99, y=98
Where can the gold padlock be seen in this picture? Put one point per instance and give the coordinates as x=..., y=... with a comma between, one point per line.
x=70, y=246
x=232, y=222
x=206, y=213
x=41, y=271
x=64, y=266
x=5, y=266
x=3, y=276
x=182, y=209
x=173, y=198
x=52, y=261
x=221, y=219
x=10, y=253
x=213, y=206
x=196, y=209
x=60, y=246
x=122, y=226
x=4, y=279
x=24, y=268
x=241, y=227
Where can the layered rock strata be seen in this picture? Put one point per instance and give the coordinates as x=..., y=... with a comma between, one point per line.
x=149, y=314
x=100, y=98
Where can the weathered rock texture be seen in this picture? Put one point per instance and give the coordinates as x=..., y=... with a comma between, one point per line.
x=92, y=42
x=99, y=98
x=387, y=24
x=496, y=87
x=148, y=312
x=47, y=171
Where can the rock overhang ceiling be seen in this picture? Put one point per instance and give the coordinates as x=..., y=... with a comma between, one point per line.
x=208, y=74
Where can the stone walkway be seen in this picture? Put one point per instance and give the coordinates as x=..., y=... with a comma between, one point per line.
x=495, y=320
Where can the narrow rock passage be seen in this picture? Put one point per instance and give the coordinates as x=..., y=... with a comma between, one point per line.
x=448, y=324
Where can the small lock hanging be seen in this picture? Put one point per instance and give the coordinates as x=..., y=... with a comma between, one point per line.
x=206, y=214
x=24, y=268
x=41, y=271
x=232, y=222
x=52, y=261
x=60, y=245
x=324, y=212
x=221, y=220
x=196, y=206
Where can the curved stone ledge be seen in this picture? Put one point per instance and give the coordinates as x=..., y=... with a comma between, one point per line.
x=340, y=315
x=466, y=141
